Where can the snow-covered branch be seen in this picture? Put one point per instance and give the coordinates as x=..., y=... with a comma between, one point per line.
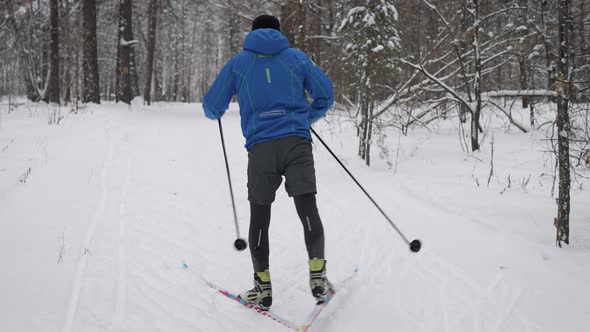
x=442, y=84
x=126, y=43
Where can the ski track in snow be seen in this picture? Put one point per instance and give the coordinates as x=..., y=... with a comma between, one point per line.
x=122, y=281
x=475, y=297
x=163, y=199
x=98, y=215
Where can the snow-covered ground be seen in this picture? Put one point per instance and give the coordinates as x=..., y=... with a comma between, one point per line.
x=94, y=237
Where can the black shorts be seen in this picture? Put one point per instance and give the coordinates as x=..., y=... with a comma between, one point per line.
x=269, y=161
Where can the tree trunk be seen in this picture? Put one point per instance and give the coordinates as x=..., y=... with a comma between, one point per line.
x=234, y=27
x=290, y=21
x=564, y=90
x=549, y=55
x=151, y=48
x=176, y=74
x=26, y=65
x=364, y=111
x=133, y=72
x=522, y=55
x=183, y=71
x=583, y=50
x=52, y=87
x=316, y=30
x=461, y=49
x=369, y=138
x=91, y=79
x=475, y=126
x=125, y=61
x=69, y=49
x=189, y=79
x=156, y=84
x=78, y=73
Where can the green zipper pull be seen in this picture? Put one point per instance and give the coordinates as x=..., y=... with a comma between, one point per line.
x=268, y=75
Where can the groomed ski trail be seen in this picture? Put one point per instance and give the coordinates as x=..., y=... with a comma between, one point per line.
x=158, y=193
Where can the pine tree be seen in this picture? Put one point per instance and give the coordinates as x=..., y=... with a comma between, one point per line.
x=372, y=40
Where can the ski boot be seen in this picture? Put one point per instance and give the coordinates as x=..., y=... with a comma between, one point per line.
x=261, y=294
x=320, y=286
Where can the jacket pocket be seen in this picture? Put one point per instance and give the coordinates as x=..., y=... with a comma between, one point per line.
x=272, y=113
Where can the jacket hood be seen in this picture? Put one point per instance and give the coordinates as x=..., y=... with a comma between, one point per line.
x=266, y=41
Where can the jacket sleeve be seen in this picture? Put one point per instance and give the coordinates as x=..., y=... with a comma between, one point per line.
x=216, y=100
x=320, y=88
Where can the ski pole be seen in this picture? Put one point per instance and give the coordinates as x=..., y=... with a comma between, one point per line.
x=239, y=244
x=414, y=245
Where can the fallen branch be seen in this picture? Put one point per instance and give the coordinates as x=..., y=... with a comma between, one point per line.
x=512, y=121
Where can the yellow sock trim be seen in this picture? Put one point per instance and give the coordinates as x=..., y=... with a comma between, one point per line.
x=316, y=264
x=264, y=276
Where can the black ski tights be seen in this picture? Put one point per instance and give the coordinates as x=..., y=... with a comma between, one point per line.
x=258, y=235
x=312, y=224
x=260, y=220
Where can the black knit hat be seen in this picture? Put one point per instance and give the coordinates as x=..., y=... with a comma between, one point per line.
x=266, y=22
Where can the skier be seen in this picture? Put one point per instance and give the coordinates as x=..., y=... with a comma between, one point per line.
x=271, y=80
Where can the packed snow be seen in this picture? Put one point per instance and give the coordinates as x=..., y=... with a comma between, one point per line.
x=99, y=213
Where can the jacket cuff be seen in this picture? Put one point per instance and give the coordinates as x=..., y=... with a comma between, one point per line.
x=209, y=114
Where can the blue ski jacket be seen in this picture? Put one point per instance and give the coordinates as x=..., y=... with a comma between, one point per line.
x=270, y=80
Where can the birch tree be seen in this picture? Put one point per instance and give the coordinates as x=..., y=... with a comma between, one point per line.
x=564, y=90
